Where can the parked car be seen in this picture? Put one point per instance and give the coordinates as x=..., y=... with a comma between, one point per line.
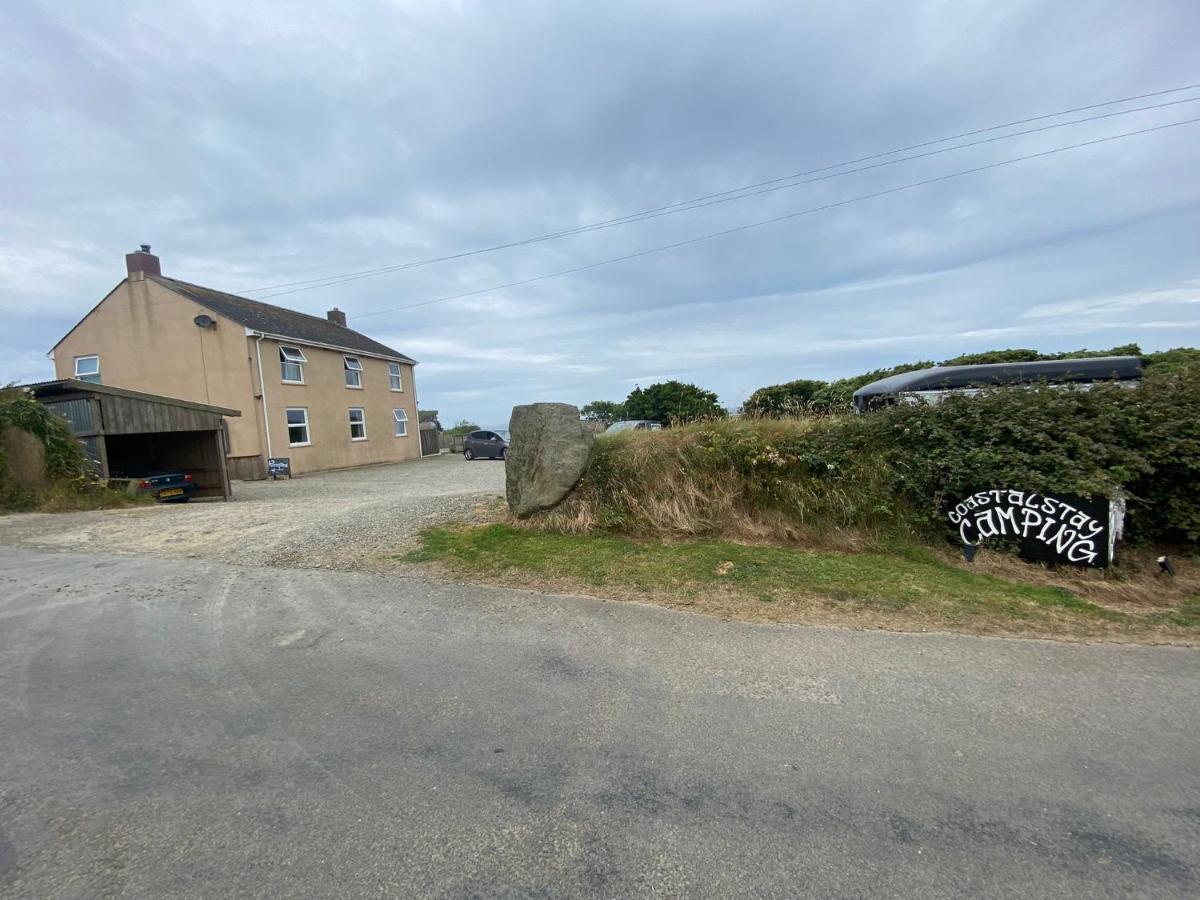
x=485, y=445
x=168, y=487
x=633, y=425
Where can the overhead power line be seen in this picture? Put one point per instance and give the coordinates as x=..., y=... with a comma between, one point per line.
x=748, y=190
x=793, y=215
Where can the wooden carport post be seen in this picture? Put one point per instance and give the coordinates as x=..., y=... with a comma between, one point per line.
x=222, y=467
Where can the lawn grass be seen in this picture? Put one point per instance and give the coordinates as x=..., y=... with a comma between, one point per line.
x=905, y=587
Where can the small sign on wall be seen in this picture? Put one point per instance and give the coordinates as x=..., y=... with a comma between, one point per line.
x=1047, y=528
x=279, y=465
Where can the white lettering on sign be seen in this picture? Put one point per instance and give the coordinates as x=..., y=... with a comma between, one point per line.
x=1066, y=531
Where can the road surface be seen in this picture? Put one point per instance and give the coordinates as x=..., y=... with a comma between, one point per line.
x=190, y=728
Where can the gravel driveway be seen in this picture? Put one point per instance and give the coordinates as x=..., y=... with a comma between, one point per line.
x=343, y=520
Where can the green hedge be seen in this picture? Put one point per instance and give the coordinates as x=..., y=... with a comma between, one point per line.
x=896, y=468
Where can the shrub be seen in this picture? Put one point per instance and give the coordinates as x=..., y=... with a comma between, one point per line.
x=72, y=483
x=672, y=402
x=780, y=400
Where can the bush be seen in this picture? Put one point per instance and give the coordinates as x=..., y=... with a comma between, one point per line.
x=895, y=470
x=70, y=472
x=672, y=402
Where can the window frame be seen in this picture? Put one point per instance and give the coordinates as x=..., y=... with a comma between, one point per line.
x=305, y=424
x=89, y=377
x=396, y=377
x=352, y=364
x=400, y=420
x=362, y=420
x=291, y=356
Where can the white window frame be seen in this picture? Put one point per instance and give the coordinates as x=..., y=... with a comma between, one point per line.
x=88, y=376
x=294, y=356
x=303, y=410
x=362, y=420
x=400, y=418
x=354, y=367
x=396, y=377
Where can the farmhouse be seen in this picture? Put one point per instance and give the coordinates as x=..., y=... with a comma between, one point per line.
x=310, y=388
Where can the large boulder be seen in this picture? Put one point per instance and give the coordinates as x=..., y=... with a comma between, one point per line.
x=547, y=453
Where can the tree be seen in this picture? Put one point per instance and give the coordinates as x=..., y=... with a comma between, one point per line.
x=672, y=401
x=777, y=400
x=607, y=411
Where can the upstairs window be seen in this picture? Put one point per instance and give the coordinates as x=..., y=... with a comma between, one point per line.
x=87, y=368
x=291, y=365
x=353, y=371
x=401, y=418
x=358, y=424
x=395, y=382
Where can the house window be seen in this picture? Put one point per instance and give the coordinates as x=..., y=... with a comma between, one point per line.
x=291, y=365
x=353, y=371
x=395, y=382
x=87, y=368
x=358, y=424
x=401, y=418
x=297, y=426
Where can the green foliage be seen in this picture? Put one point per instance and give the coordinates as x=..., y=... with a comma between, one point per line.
x=607, y=411
x=64, y=454
x=1003, y=356
x=836, y=396
x=1171, y=362
x=462, y=426
x=894, y=470
x=672, y=402
x=791, y=399
x=72, y=482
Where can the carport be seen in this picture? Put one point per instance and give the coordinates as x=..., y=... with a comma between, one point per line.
x=129, y=434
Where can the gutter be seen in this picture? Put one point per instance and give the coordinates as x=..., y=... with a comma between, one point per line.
x=350, y=351
x=262, y=392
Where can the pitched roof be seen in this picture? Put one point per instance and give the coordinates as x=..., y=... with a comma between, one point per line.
x=276, y=320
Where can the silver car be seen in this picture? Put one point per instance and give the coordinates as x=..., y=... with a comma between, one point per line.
x=633, y=425
x=485, y=445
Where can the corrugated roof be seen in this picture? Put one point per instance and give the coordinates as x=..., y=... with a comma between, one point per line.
x=276, y=320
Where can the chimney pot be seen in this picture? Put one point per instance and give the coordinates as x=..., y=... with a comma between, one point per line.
x=336, y=316
x=142, y=263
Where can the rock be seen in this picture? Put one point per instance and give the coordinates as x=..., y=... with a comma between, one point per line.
x=547, y=453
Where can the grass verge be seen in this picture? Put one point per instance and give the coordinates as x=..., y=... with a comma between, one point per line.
x=903, y=588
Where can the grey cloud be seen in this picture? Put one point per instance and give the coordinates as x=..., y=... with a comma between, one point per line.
x=257, y=146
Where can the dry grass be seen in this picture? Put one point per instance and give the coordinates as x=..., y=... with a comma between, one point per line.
x=1134, y=585
x=656, y=483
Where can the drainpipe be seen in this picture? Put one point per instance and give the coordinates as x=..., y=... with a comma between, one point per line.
x=262, y=393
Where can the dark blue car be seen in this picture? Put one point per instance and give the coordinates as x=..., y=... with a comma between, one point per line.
x=168, y=487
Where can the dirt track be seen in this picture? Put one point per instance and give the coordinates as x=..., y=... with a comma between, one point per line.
x=341, y=520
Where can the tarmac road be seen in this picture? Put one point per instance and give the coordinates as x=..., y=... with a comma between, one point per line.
x=189, y=728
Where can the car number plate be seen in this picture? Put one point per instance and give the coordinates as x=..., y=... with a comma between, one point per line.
x=171, y=492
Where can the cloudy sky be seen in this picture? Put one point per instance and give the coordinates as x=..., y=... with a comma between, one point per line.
x=261, y=144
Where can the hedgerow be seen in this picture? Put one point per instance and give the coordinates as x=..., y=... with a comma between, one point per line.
x=895, y=469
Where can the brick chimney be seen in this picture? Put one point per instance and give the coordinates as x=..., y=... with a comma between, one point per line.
x=142, y=263
x=336, y=316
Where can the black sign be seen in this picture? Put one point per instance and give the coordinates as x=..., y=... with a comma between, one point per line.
x=279, y=465
x=1077, y=530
